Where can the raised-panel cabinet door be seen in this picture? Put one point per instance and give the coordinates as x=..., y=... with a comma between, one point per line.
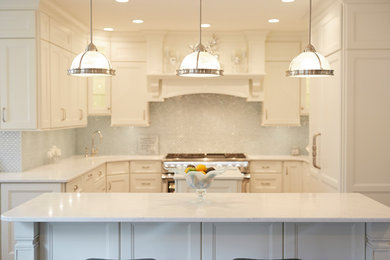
x=18, y=84
x=281, y=104
x=118, y=183
x=78, y=101
x=129, y=97
x=60, y=61
x=145, y=182
x=44, y=86
x=226, y=241
x=292, y=177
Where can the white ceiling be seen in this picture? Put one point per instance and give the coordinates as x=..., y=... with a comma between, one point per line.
x=179, y=15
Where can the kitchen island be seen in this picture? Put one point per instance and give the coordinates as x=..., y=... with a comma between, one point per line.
x=309, y=226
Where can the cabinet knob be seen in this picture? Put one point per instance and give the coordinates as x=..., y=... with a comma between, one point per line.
x=75, y=187
x=100, y=173
x=90, y=175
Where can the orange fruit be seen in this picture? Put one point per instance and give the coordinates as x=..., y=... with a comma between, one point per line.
x=201, y=168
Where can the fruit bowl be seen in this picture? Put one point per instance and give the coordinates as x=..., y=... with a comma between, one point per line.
x=200, y=181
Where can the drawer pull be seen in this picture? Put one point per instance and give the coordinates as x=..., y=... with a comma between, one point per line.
x=145, y=167
x=75, y=187
x=109, y=185
x=145, y=183
x=265, y=167
x=4, y=115
x=81, y=114
x=265, y=184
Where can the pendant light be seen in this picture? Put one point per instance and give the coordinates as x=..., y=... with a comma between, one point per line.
x=309, y=63
x=200, y=63
x=91, y=62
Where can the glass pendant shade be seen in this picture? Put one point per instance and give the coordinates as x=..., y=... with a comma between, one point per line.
x=309, y=64
x=200, y=63
x=91, y=63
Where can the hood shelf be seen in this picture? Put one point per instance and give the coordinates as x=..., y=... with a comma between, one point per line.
x=244, y=85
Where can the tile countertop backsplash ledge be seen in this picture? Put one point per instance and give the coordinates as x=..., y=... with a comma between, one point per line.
x=71, y=168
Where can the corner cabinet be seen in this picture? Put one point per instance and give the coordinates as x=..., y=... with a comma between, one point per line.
x=128, y=95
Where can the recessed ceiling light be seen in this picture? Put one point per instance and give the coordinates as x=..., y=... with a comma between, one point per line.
x=206, y=25
x=274, y=20
x=122, y=1
x=138, y=21
x=108, y=29
x=288, y=1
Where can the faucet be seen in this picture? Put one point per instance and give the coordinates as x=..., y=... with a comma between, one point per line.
x=95, y=150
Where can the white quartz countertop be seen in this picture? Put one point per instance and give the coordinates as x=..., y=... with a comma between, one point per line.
x=71, y=168
x=184, y=207
x=68, y=169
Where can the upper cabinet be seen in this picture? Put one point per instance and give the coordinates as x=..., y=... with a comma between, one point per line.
x=35, y=90
x=282, y=98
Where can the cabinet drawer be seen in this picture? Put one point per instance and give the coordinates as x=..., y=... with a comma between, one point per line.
x=145, y=166
x=116, y=168
x=145, y=182
x=93, y=180
x=75, y=186
x=266, y=183
x=265, y=166
x=17, y=24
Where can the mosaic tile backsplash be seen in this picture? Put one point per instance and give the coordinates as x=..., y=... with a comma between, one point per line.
x=36, y=144
x=10, y=151
x=199, y=123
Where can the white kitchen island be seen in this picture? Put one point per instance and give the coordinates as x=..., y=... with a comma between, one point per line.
x=76, y=226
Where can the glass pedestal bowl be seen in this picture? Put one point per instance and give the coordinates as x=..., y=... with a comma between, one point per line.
x=200, y=181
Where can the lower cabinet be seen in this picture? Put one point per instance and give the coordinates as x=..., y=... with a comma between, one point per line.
x=292, y=177
x=266, y=182
x=209, y=241
x=118, y=183
x=145, y=182
x=12, y=195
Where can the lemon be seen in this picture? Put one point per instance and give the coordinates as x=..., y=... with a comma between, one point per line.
x=201, y=168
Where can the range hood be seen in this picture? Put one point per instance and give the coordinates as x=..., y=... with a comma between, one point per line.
x=245, y=82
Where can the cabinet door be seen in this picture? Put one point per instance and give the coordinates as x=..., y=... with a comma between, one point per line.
x=75, y=185
x=129, y=98
x=118, y=183
x=60, y=61
x=12, y=195
x=99, y=96
x=145, y=182
x=281, y=104
x=77, y=101
x=267, y=182
x=18, y=84
x=44, y=86
x=292, y=177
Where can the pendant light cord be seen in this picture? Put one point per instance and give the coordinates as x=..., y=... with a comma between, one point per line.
x=200, y=22
x=90, y=15
x=310, y=23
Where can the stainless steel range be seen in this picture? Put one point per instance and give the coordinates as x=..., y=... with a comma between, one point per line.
x=217, y=160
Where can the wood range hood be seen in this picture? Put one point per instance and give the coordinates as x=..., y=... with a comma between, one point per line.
x=245, y=83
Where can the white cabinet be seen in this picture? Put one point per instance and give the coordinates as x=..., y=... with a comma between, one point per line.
x=319, y=241
x=18, y=84
x=266, y=176
x=68, y=94
x=145, y=182
x=92, y=181
x=118, y=177
x=222, y=241
x=281, y=104
x=128, y=95
x=118, y=183
x=292, y=177
x=99, y=96
x=145, y=176
x=325, y=119
x=12, y=195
